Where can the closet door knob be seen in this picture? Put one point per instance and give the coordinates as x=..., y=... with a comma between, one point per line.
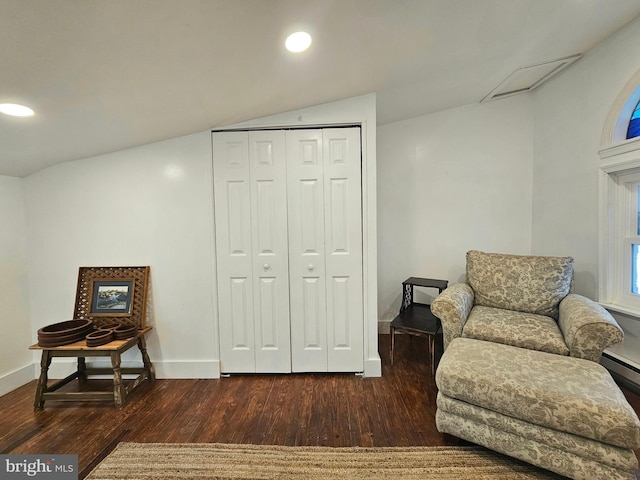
x=311, y=267
x=266, y=267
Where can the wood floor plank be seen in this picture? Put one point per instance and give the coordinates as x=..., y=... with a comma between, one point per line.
x=397, y=409
x=280, y=413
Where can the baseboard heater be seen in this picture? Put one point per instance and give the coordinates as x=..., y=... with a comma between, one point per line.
x=627, y=374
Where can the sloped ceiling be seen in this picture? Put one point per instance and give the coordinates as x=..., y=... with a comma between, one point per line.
x=105, y=75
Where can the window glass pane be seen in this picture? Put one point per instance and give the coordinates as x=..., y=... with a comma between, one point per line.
x=635, y=263
x=638, y=212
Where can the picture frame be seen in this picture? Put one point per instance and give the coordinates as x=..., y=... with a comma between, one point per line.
x=130, y=284
x=112, y=298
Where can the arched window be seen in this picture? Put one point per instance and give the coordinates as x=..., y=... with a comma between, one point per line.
x=619, y=197
x=634, y=123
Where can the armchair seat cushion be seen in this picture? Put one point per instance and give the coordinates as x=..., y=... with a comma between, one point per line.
x=519, y=329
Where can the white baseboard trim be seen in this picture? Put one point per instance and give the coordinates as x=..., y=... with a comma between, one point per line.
x=373, y=367
x=383, y=326
x=17, y=378
x=61, y=367
x=187, y=369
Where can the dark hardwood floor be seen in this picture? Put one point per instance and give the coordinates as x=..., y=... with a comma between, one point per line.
x=312, y=409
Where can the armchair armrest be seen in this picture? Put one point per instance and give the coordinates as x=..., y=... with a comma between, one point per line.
x=587, y=327
x=452, y=307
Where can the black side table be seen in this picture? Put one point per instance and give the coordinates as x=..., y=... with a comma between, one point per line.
x=416, y=318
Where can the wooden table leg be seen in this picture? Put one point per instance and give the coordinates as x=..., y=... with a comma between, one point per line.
x=45, y=362
x=119, y=392
x=393, y=341
x=142, y=346
x=82, y=369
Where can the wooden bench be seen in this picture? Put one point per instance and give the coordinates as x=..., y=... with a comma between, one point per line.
x=80, y=350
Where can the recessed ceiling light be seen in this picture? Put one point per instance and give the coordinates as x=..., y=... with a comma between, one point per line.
x=15, y=110
x=298, y=42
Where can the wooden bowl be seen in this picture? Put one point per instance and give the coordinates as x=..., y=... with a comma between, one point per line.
x=63, y=333
x=124, y=331
x=99, y=337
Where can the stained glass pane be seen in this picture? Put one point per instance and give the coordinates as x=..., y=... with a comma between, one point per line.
x=634, y=124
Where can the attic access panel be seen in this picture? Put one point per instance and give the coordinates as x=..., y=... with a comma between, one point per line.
x=527, y=78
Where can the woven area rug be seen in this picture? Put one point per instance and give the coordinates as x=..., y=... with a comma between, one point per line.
x=170, y=461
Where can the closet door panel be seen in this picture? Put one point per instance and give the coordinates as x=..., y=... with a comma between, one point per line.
x=307, y=271
x=343, y=226
x=309, y=227
x=312, y=298
x=268, y=174
x=233, y=251
x=236, y=218
x=240, y=314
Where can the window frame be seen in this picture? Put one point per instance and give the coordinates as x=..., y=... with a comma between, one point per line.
x=619, y=168
x=627, y=203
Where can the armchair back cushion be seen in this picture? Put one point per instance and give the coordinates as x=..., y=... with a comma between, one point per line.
x=530, y=284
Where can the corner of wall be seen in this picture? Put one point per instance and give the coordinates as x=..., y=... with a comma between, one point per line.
x=17, y=378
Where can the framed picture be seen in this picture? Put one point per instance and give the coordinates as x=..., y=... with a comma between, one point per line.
x=109, y=295
x=111, y=298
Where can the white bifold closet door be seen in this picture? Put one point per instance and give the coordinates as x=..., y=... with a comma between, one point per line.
x=252, y=252
x=289, y=250
x=325, y=249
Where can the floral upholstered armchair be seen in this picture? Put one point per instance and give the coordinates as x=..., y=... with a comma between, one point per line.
x=525, y=301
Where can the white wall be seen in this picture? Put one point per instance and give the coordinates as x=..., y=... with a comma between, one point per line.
x=149, y=205
x=16, y=366
x=570, y=114
x=448, y=183
x=153, y=205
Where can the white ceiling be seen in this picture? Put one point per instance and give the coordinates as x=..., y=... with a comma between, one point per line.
x=105, y=75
